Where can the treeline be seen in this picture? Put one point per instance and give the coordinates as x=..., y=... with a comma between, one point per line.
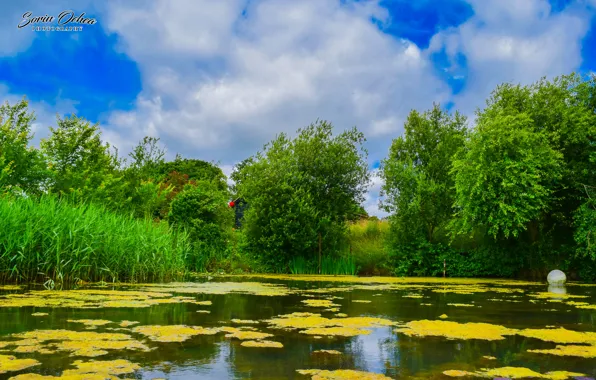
x=510, y=196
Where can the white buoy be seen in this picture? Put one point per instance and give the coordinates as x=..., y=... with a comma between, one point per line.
x=556, y=277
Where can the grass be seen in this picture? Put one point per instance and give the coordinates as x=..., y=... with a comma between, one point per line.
x=51, y=240
x=368, y=239
x=329, y=266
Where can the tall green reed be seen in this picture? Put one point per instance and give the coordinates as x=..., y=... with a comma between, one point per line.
x=48, y=238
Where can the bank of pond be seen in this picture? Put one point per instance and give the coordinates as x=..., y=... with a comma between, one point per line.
x=297, y=326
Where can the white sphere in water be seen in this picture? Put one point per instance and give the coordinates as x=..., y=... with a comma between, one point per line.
x=556, y=277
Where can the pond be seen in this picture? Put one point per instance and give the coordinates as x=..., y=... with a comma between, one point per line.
x=299, y=327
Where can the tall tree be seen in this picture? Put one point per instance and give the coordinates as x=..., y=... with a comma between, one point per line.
x=302, y=190
x=82, y=165
x=418, y=189
x=22, y=165
x=539, y=140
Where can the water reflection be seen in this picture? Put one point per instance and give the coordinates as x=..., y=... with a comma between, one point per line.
x=557, y=289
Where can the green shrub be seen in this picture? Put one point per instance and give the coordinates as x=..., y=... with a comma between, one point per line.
x=202, y=211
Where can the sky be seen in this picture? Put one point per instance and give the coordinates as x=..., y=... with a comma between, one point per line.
x=216, y=80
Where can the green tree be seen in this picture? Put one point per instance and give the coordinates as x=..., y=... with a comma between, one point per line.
x=196, y=170
x=301, y=191
x=82, y=165
x=418, y=189
x=201, y=210
x=22, y=165
x=506, y=177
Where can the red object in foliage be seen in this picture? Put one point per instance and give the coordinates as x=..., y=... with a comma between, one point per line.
x=232, y=204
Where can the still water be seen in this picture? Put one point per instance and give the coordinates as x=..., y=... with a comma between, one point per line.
x=299, y=327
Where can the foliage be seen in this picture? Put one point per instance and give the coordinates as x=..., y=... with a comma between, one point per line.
x=23, y=167
x=505, y=177
x=368, y=245
x=82, y=165
x=201, y=210
x=197, y=170
x=417, y=184
x=300, y=188
x=49, y=238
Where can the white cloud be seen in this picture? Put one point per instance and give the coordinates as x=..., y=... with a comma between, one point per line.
x=281, y=67
x=513, y=41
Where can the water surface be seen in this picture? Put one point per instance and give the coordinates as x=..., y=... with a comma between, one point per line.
x=387, y=346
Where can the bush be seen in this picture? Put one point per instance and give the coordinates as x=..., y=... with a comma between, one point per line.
x=201, y=210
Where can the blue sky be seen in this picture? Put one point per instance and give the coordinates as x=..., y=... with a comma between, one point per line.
x=217, y=80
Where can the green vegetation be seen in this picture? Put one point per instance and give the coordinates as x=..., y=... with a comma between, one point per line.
x=48, y=239
x=511, y=197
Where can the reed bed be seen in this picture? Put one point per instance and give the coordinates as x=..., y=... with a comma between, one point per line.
x=49, y=239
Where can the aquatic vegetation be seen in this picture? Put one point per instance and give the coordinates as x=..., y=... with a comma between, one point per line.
x=457, y=373
x=386, y=280
x=443, y=316
x=128, y=323
x=341, y=315
x=79, y=343
x=333, y=309
x=560, y=335
x=261, y=343
x=204, y=303
x=454, y=330
x=413, y=296
x=341, y=374
x=549, y=295
x=330, y=352
x=88, y=298
x=244, y=321
x=110, y=367
x=92, y=370
x=319, y=303
x=173, y=333
x=488, y=357
x=243, y=334
x=361, y=301
x=591, y=307
x=314, y=324
x=335, y=331
x=10, y=363
x=203, y=311
x=569, y=350
x=460, y=304
x=11, y=287
x=91, y=322
x=255, y=288
x=39, y=314
x=512, y=373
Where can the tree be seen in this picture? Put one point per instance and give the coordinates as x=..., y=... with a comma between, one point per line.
x=506, y=176
x=418, y=187
x=22, y=165
x=201, y=210
x=545, y=135
x=196, y=170
x=82, y=165
x=302, y=191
